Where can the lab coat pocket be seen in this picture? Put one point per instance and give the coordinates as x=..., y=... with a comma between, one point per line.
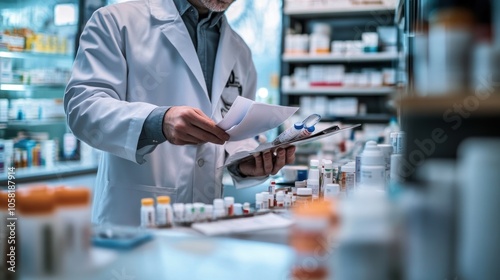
x=227, y=99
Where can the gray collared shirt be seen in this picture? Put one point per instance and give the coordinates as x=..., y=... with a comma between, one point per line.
x=205, y=34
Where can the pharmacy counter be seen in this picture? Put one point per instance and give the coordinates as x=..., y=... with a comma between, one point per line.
x=181, y=253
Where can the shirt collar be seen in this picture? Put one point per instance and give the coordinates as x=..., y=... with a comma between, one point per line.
x=183, y=6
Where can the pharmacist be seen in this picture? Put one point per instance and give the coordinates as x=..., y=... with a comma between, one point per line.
x=150, y=81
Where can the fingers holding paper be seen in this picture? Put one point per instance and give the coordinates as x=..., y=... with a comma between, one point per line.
x=268, y=163
x=184, y=125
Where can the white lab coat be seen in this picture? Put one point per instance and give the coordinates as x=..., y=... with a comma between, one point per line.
x=133, y=57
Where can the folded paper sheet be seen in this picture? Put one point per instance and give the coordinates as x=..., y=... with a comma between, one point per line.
x=245, y=155
x=248, y=118
x=248, y=224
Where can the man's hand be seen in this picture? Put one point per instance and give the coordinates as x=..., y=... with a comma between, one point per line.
x=268, y=163
x=184, y=125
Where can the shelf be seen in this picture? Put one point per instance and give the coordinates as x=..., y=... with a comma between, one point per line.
x=60, y=169
x=341, y=91
x=34, y=122
x=326, y=10
x=23, y=87
x=399, y=14
x=29, y=55
x=367, y=118
x=365, y=57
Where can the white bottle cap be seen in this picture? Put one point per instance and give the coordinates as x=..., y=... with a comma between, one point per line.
x=372, y=155
x=209, y=210
x=259, y=197
x=386, y=149
x=246, y=205
x=280, y=196
x=332, y=190
x=238, y=209
x=228, y=200
x=314, y=163
x=348, y=167
x=300, y=184
x=328, y=164
x=178, y=207
x=218, y=203
x=304, y=191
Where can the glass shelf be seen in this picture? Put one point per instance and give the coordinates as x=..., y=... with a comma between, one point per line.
x=60, y=169
x=344, y=91
x=34, y=122
x=363, y=57
x=37, y=55
x=23, y=87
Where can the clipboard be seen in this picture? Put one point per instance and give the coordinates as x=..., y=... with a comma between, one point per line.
x=245, y=155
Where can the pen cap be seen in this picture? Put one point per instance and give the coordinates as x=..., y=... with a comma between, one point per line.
x=298, y=125
x=310, y=129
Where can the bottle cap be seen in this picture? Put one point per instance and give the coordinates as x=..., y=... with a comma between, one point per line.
x=313, y=163
x=280, y=196
x=328, y=164
x=304, y=191
x=147, y=202
x=165, y=199
x=348, y=167
x=179, y=207
x=298, y=125
x=259, y=197
x=35, y=203
x=238, y=209
x=71, y=196
x=4, y=196
x=199, y=207
x=332, y=189
x=386, y=149
x=246, y=205
x=218, y=203
x=228, y=200
x=300, y=184
x=310, y=129
x=372, y=155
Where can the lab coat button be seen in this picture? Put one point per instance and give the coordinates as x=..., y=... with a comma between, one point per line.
x=201, y=162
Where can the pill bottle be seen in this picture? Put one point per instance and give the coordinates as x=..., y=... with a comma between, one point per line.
x=147, y=213
x=164, y=212
x=304, y=196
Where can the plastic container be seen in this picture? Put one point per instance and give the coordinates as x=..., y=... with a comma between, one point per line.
x=147, y=213
x=280, y=199
x=73, y=212
x=289, y=134
x=259, y=201
x=246, y=208
x=304, y=196
x=331, y=191
x=38, y=238
x=178, y=212
x=348, y=178
x=372, y=167
x=265, y=200
x=219, y=209
x=313, y=184
x=164, y=212
x=188, y=212
x=327, y=175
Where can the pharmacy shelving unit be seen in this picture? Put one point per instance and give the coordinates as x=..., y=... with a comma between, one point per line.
x=54, y=126
x=347, y=22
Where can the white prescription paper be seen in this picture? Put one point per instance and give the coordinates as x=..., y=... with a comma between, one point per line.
x=247, y=118
x=240, y=225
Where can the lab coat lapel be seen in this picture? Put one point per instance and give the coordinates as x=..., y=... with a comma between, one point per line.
x=227, y=53
x=177, y=33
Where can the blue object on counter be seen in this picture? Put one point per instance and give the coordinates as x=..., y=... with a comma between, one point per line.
x=119, y=238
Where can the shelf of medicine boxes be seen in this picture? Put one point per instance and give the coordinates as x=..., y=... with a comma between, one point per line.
x=366, y=118
x=59, y=170
x=363, y=57
x=324, y=10
x=340, y=91
x=33, y=55
x=25, y=87
x=32, y=122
